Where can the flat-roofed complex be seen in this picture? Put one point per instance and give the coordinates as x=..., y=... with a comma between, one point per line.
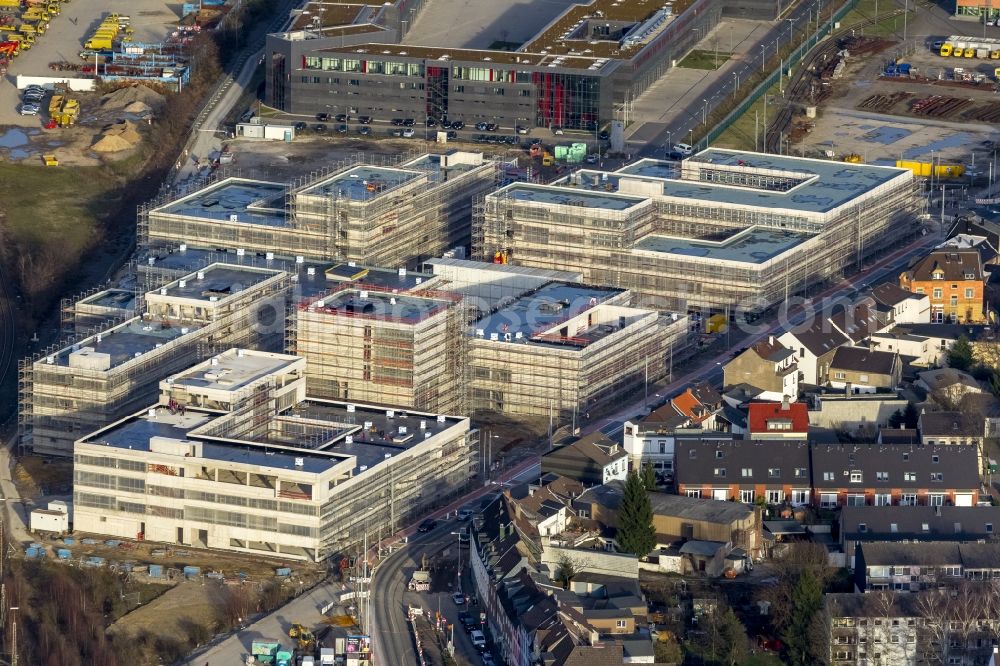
x=373, y=344
x=584, y=63
x=563, y=349
x=69, y=391
x=730, y=229
x=301, y=481
x=384, y=215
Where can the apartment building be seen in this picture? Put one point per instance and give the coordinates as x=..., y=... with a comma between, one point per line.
x=747, y=471
x=915, y=524
x=894, y=474
x=66, y=393
x=902, y=568
x=592, y=460
x=296, y=481
x=954, y=282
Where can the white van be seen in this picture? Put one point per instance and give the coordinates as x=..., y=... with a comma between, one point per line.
x=478, y=639
x=683, y=148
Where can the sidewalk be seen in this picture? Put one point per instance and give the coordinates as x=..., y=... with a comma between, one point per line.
x=680, y=89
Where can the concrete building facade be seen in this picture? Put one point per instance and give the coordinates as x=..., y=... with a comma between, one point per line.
x=303, y=481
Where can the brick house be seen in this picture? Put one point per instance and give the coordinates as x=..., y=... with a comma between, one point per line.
x=892, y=474
x=953, y=279
x=744, y=470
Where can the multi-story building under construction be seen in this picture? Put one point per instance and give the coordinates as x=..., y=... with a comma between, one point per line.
x=269, y=473
x=376, y=344
x=388, y=215
x=562, y=350
x=728, y=230
x=67, y=392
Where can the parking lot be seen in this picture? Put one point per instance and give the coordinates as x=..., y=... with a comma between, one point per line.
x=476, y=24
x=152, y=20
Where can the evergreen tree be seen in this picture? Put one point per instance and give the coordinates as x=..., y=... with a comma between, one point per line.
x=807, y=602
x=960, y=354
x=635, y=519
x=910, y=415
x=896, y=419
x=649, y=477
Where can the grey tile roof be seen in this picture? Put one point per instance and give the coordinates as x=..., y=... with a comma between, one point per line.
x=770, y=462
x=860, y=359
x=958, y=465
x=954, y=264
x=934, y=553
x=943, y=523
x=891, y=294
x=950, y=424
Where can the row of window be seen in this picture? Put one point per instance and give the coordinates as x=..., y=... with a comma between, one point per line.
x=858, y=476
x=798, y=497
x=831, y=500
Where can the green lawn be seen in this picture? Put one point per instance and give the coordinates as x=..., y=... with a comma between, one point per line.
x=699, y=59
x=890, y=27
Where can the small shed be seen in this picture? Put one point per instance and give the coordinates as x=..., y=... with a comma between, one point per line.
x=266, y=131
x=47, y=520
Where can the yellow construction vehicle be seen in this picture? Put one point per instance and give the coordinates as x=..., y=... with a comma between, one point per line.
x=50, y=160
x=307, y=641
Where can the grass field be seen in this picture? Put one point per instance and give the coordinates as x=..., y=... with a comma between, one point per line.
x=699, y=59
x=52, y=215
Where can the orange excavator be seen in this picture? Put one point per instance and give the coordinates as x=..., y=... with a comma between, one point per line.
x=9, y=49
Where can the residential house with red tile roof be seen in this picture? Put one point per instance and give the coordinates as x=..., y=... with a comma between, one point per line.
x=778, y=420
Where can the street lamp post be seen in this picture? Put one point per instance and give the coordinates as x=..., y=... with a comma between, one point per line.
x=761, y=58
x=736, y=82
x=704, y=112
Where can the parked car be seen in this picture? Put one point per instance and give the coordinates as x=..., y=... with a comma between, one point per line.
x=398, y=122
x=674, y=155
x=408, y=133
x=481, y=127
x=29, y=109
x=491, y=127
x=683, y=148
x=395, y=132
x=319, y=127
x=409, y=122
x=521, y=129
x=364, y=130
x=464, y=513
x=557, y=130
x=32, y=98
x=452, y=134
x=488, y=660
x=342, y=118
x=478, y=640
x=342, y=129
x=365, y=120
x=432, y=122
x=457, y=125
x=604, y=136
x=299, y=126
x=323, y=117
x=592, y=159
x=427, y=525
x=458, y=598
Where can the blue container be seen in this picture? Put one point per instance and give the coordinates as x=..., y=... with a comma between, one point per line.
x=89, y=542
x=69, y=541
x=283, y=571
x=63, y=554
x=31, y=551
x=191, y=571
x=114, y=543
x=95, y=561
x=156, y=570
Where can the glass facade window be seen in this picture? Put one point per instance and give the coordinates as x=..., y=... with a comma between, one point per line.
x=566, y=100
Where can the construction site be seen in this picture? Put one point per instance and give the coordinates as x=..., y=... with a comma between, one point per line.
x=729, y=231
x=300, y=478
x=374, y=344
x=68, y=391
x=396, y=213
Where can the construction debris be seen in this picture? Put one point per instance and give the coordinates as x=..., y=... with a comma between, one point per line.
x=123, y=97
x=938, y=106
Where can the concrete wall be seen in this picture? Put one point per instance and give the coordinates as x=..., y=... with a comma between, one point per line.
x=854, y=413
x=592, y=561
x=50, y=81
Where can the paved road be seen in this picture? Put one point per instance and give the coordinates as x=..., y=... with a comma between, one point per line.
x=304, y=609
x=393, y=644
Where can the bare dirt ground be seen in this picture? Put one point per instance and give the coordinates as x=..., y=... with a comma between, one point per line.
x=889, y=132
x=189, y=602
